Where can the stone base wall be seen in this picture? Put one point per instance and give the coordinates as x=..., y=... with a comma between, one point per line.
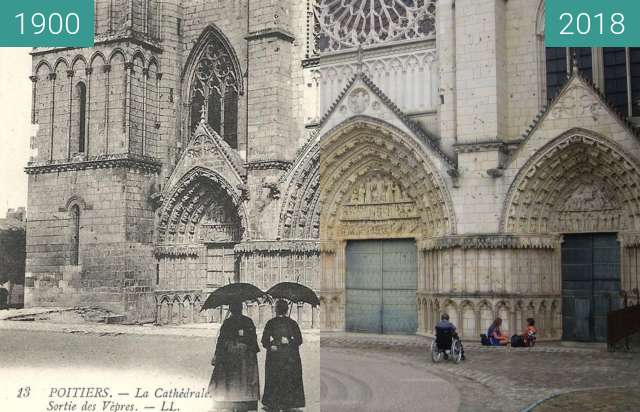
x=474, y=314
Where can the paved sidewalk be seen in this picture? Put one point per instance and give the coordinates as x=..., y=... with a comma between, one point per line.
x=610, y=400
x=508, y=379
x=205, y=330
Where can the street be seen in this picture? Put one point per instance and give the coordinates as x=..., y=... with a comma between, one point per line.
x=124, y=367
x=370, y=381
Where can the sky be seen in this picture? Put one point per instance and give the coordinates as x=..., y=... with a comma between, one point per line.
x=15, y=126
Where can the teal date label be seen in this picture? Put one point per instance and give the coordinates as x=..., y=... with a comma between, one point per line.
x=47, y=23
x=592, y=23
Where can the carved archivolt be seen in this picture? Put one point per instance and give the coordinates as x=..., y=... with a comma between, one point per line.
x=376, y=182
x=300, y=215
x=202, y=208
x=580, y=182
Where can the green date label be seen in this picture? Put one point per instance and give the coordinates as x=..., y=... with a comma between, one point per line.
x=592, y=23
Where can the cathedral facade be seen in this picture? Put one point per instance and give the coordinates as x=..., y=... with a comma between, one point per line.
x=402, y=157
x=467, y=169
x=175, y=157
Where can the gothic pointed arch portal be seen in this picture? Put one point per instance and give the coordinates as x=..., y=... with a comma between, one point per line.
x=582, y=188
x=380, y=194
x=579, y=183
x=200, y=223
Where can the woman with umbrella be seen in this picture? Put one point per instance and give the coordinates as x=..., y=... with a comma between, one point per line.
x=283, y=389
x=235, y=385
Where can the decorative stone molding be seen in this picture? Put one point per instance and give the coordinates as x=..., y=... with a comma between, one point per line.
x=629, y=240
x=491, y=241
x=362, y=149
x=431, y=141
x=272, y=32
x=474, y=313
x=488, y=146
x=580, y=87
x=206, y=141
x=579, y=182
x=76, y=200
x=300, y=212
x=129, y=161
x=298, y=246
x=268, y=165
x=202, y=207
x=177, y=250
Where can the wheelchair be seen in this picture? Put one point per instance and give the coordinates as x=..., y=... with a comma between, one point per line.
x=446, y=346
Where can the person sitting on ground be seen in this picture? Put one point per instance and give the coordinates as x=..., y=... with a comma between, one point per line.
x=530, y=333
x=495, y=334
x=445, y=324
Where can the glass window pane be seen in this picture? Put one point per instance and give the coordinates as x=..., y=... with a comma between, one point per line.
x=615, y=77
x=585, y=61
x=634, y=66
x=556, y=70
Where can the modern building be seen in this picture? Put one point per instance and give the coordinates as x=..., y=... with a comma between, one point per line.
x=467, y=169
x=174, y=157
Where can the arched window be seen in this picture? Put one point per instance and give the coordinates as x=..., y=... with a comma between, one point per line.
x=81, y=115
x=75, y=234
x=215, y=87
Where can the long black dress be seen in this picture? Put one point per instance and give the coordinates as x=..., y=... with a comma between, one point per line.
x=283, y=388
x=235, y=383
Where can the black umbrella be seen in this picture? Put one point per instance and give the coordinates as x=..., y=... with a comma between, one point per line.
x=294, y=292
x=233, y=293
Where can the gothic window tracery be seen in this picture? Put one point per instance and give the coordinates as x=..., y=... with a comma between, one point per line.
x=214, y=92
x=345, y=24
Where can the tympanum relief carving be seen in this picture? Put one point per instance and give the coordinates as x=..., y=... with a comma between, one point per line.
x=377, y=205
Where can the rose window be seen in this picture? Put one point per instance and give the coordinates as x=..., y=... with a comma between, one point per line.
x=345, y=24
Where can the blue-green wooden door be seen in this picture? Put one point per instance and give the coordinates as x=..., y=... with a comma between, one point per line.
x=590, y=277
x=381, y=287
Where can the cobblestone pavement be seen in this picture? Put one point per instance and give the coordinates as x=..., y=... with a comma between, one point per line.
x=610, y=400
x=507, y=379
x=351, y=381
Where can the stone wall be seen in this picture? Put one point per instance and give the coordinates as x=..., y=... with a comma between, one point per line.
x=115, y=234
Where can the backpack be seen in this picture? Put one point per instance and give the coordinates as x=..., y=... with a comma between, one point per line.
x=517, y=341
x=484, y=340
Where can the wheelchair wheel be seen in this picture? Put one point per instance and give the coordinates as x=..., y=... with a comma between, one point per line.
x=436, y=355
x=456, y=351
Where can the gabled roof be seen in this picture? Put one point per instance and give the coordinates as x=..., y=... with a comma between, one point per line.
x=426, y=137
x=576, y=76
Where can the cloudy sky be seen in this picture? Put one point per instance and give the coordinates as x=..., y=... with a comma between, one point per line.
x=15, y=108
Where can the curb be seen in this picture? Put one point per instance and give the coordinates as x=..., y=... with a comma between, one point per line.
x=312, y=335
x=539, y=402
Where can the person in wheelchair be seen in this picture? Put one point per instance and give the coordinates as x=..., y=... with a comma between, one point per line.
x=445, y=331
